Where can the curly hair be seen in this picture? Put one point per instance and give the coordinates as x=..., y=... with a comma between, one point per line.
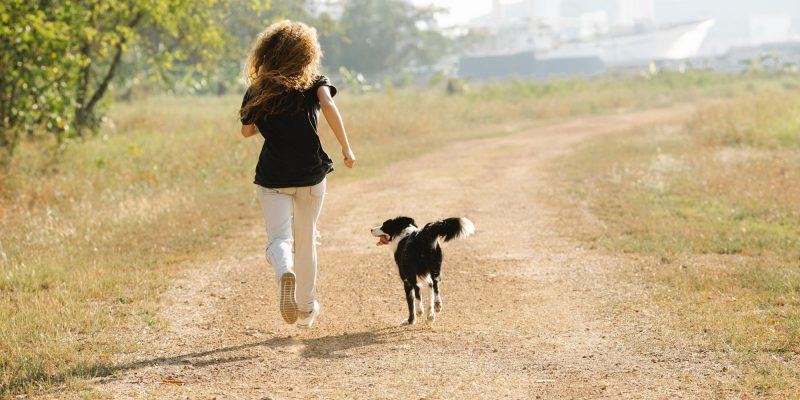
x=283, y=63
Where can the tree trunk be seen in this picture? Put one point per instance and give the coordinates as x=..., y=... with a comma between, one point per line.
x=83, y=88
x=85, y=109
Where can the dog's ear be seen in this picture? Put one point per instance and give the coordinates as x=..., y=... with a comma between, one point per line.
x=406, y=221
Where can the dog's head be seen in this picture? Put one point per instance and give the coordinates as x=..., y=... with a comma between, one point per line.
x=391, y=228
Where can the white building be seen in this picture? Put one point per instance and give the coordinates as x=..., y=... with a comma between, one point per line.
x=582, y=31
x=593, y=24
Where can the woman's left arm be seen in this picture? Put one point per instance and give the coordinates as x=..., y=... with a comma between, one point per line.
x=249, y=130
x=334, y=118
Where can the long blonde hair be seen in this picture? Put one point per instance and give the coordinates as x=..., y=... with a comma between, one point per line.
x=283, y=63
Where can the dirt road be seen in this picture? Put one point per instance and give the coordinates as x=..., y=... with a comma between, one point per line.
x=527, y=313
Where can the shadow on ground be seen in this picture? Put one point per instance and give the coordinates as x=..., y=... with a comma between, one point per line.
x=327, y=347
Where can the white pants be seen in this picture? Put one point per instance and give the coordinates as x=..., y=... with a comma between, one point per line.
x=291, y=219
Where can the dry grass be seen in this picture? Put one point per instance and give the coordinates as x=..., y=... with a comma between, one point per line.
x=89, y=241
x=398, y=125
x=87, y=247
x=715, y=203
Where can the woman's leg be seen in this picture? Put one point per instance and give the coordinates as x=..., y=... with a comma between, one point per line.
x=308, y=203
x=277, y=207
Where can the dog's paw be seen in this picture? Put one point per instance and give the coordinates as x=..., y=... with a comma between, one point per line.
x=431, y=317
x=408, y=322
x=420, y=312
x=438, y=306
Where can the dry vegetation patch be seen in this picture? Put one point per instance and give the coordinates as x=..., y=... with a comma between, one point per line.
x=714, y=204
x=91, y=238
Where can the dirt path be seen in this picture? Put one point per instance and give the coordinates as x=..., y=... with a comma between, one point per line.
x=528, y=313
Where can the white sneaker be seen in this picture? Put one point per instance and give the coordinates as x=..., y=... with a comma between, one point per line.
x=307, y=318
x=288, y=303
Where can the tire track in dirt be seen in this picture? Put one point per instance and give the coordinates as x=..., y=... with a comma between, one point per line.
x=527, y=312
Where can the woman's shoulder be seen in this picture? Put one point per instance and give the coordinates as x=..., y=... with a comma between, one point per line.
x=322, y=80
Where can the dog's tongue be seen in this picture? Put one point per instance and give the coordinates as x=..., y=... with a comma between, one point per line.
x=383, y=241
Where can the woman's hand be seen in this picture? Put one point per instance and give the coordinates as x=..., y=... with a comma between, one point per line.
x=249, y=130
x=349, y=157
x=331, y=113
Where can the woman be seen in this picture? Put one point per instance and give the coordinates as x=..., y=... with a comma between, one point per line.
x=283, y=102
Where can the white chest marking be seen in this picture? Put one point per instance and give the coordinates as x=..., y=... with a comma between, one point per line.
x=396, y=240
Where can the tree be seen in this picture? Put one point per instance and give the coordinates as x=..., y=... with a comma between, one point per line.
x=243, y=25
x=373, y=37
x=34, y=60
x=58, y=58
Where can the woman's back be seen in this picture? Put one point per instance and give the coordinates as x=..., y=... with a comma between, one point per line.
x=292, y=154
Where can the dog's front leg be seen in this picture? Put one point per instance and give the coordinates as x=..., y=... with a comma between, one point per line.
x=409, y=287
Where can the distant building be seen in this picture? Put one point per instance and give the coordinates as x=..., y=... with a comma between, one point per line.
x=545, y=12
x=735, y=26
x=526, y=65
x=593, y=24
x=538, y=26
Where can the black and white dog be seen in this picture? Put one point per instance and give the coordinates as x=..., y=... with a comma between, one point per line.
x=418, y=255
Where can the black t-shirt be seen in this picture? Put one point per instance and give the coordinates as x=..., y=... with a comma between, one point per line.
x=292, y=155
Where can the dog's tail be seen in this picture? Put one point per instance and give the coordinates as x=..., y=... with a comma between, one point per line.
x=449, y=229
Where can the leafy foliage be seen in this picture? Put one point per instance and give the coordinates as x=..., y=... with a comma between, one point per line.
x=35, y=61
x=58, y=59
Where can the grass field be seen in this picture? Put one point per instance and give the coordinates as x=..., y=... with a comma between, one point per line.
x=89, y=240
x=715, y=205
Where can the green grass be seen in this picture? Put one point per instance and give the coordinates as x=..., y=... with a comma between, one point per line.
x=90, y=240
x=715, y=205
x=771, y=122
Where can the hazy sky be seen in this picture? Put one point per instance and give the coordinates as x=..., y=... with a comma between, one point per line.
x=733, y=16
x=668, y=10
